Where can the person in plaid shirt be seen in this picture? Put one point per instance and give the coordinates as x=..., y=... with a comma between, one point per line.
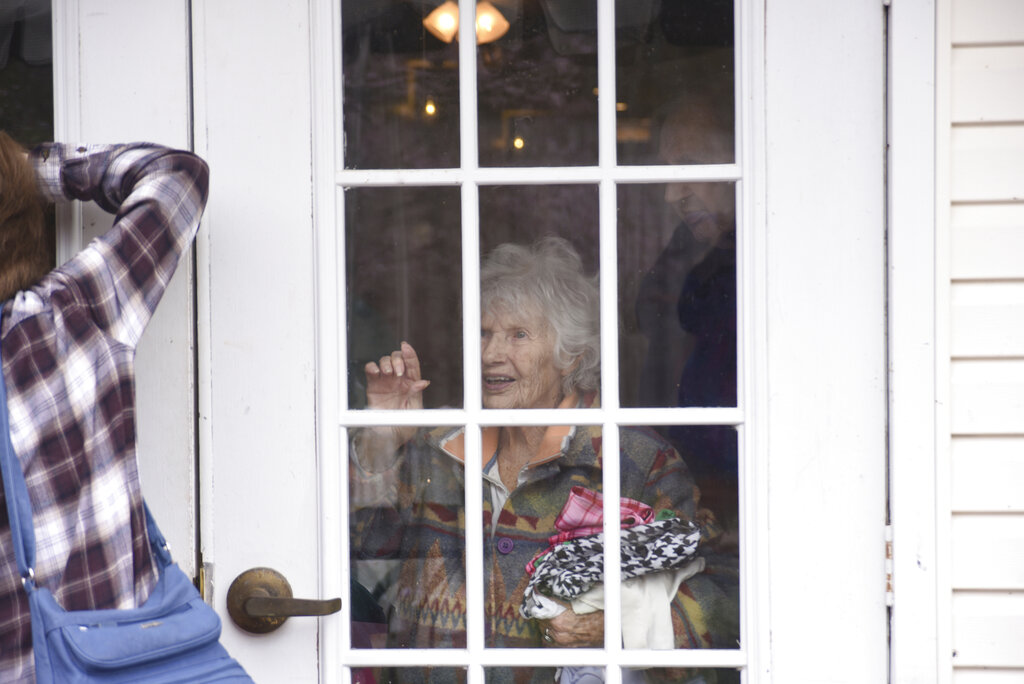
x=68, y=339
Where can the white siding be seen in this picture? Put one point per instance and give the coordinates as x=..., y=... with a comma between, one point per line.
x=988, y=472
x=987, y=241
x=986, y=343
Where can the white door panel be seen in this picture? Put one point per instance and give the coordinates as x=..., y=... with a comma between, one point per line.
x=257, y=374
x=826, y=341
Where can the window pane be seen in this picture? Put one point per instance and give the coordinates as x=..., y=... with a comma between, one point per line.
x=681, y=675
x=677, y=294
x=526, y=213
x=573, y=674
x=26, y=72
x=674, y=82
x=401, y=88
x=680, y=565
x=26, y=80
x=537, y=85
x=390, y=675
x=591, y=674
x=404, y=271
x=679, y=560
x=407, y=538
x=538, y=279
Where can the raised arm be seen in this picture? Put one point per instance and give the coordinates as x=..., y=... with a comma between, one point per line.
x=157, y=196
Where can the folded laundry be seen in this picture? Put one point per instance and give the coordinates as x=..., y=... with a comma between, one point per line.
x=572, y=567
x=583, y=516
x=584, y=512
x=646, y=615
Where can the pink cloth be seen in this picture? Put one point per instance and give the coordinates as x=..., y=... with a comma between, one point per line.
x=583, y=516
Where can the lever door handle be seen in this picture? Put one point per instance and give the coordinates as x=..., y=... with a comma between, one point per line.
x=260, y=600
x=264, y=606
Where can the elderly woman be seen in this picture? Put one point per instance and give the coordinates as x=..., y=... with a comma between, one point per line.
x=540, y=348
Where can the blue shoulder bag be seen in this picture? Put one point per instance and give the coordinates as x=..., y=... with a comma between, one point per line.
x=173, y=637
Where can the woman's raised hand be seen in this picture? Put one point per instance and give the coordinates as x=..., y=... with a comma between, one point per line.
x=395, y=382
x=392, y=383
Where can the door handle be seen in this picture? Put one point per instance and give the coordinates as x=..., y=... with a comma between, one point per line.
x=260, y=600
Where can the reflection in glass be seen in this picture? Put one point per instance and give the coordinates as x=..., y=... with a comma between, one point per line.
x=26, y=71
x=674, y=80
x=537, y=85
x=389, y=675
x=677, y=294
x=591, y=674
x=401, y=88
x=679, y=550
x=26, y=80
x=577, y=674
x=404, y=283
x=526, y=213
x=680, y=675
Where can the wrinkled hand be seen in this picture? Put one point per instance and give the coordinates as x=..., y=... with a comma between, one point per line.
x=569, y=630
x=393, y=383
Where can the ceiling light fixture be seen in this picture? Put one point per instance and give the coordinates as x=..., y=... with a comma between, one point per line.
x=443, y=22
x=490, y=23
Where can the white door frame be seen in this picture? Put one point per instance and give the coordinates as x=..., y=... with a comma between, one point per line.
x=256, y=298
x=918, y=347
x=824, y=194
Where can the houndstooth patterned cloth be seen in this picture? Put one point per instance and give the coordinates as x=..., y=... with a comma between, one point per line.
x=573, y=567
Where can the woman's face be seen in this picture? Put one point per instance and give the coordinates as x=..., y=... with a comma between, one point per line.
x=517, y=358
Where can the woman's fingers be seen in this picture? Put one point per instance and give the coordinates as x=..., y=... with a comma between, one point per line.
x=397, y=363
x=401, y=363
x=394, y=381
x=410, y=361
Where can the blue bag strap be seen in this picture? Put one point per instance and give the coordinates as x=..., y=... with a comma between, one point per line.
x=19, y=507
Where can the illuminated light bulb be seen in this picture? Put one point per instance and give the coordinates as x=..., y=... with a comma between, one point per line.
x=443, y=22
x=430, y=108
x=448, y=22
x=518, y=143
x=621, y=106
x=490, y=23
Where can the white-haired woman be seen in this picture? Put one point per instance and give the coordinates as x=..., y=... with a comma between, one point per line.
x=540, y=349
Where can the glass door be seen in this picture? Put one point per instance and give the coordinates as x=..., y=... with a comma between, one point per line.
x=539, y=263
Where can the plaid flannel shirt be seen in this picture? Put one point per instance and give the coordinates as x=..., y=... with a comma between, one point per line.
x=68, y=361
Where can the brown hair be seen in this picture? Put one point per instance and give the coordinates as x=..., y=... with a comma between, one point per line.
x=24, y=248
